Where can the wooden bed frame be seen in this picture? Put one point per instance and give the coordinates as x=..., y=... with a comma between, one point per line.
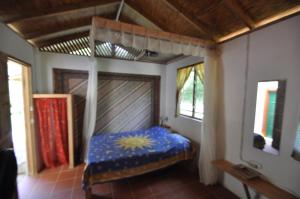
x=117, y=175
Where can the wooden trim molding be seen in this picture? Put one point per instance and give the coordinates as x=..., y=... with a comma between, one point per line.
x=31, y=141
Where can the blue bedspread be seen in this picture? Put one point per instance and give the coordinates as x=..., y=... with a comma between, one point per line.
x=117, y=151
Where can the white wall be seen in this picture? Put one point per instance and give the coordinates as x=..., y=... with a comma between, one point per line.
x=13, y=45
x=63, y=61
x=187, y=126
x=274, y=53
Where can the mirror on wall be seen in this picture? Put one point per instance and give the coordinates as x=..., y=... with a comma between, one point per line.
x=296, y=150
x=268, y=115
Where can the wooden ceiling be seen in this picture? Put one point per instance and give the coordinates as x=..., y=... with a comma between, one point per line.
x=45, y=22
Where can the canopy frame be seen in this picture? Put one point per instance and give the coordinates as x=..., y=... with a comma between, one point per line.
x=139, y=37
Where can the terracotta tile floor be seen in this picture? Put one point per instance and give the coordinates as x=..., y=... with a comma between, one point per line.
x=171, y=183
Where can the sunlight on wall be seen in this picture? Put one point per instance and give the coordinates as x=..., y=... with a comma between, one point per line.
x=17, y=110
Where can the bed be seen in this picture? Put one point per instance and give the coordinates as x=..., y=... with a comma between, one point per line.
x=113, y=156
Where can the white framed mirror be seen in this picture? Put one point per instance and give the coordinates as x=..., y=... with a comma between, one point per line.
x=268, y=115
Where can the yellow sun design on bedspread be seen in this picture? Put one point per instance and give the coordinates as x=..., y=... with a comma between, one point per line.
x=134, y=142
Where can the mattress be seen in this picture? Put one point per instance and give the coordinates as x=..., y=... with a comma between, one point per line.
x=113, y=155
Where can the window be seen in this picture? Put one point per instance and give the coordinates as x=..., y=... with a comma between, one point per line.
x=190, y=90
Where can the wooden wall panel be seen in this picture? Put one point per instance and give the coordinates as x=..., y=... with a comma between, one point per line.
x=127, y=102
x=75, y=83
x=126, y=106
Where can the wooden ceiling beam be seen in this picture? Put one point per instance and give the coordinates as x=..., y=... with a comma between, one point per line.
x=190, y=19
x=56, y=40
x=236, y=9
x=60, y=10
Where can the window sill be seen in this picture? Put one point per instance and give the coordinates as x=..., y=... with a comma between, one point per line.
x=191, y=118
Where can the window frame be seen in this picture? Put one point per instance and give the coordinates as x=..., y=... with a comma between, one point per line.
x=194, y=91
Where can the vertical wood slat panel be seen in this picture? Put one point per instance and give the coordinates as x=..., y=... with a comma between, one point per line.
x=5, y=123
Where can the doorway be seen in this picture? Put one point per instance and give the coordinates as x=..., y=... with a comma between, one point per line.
x=17, y=113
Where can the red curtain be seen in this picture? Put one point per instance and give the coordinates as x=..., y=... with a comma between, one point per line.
x=52, y=124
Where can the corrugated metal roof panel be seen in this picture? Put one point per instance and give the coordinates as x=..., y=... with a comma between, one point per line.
x=81, y=46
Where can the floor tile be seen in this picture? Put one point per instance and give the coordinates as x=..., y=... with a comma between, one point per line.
x=49, y=177
x=220, y=192
x=26, y=186
x=122, y=195
x=170, y=183
x=78, y=193
x=77, y=182
x=63, y=195
x=42, y=190
x=159, y=186
x=102, y=189
x=106, y=196
x=120, y=186
x=140, y=190
x=65, y=175
x=63, y=185
x=49, y=171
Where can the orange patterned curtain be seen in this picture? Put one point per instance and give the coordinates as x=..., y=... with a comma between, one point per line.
x=182, y=76
x=199, y=68
x=52, y=124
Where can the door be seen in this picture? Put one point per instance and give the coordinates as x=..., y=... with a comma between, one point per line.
x=24, y=103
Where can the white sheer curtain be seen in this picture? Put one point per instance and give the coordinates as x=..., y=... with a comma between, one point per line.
x=208, y=173
x=90, y=105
